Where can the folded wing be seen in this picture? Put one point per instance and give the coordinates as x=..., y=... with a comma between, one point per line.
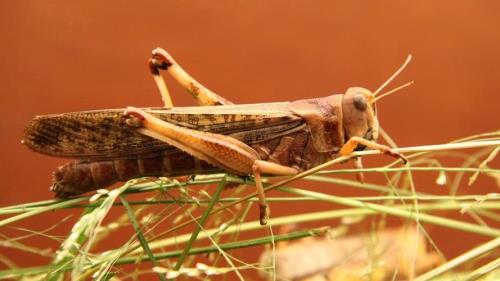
x=103, y=134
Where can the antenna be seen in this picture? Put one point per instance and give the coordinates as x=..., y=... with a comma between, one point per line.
x=393, y=91
x=408, y=59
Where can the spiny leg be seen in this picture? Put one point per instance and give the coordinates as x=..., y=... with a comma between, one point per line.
x=162, y=60
x=222, y=151
x=353, y=142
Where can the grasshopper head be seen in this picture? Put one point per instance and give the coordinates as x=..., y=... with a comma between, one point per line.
x=359, y=111
x=359, y=114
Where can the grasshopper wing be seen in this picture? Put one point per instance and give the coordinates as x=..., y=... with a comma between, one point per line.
x=103, y=134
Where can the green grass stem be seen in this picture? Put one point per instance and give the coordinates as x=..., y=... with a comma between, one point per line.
x=202, y=220
x=409, y=214
x=12, y=273
x=140, y=235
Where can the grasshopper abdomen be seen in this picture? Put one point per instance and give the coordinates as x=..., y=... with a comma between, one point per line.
x=79, y=177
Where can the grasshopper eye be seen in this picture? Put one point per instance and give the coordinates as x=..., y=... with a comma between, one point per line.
x=360, y=102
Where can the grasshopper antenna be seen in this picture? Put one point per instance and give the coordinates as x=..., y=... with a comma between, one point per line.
x=408, y=59
x=393, y=91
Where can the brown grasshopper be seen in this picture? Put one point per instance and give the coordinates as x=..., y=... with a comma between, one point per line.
x=271, y=138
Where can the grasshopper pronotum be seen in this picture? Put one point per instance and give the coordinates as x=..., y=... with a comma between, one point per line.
x=270, y=138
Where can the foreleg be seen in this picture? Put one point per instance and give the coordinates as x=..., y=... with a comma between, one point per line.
x=353, y=142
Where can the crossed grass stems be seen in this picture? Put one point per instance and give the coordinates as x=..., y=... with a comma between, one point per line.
x=400, y=199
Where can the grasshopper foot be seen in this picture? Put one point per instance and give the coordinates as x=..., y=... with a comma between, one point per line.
x=134, y=116
x=396, y=155
x=135, y=112
x=358, y=164
x=353, y=142
x=160, y=59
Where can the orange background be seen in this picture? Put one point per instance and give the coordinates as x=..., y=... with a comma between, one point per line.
x=60, y=56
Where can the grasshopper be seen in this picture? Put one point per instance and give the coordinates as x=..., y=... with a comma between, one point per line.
x=281, y=138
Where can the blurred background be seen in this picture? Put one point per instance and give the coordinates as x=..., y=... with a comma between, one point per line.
x=60, y=56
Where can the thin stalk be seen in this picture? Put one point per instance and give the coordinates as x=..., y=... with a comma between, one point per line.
x=446, y=146
x=233, y=245
x=73, y=203
x=365, y=186
x=422, y=197
x=22, y=208
x=153, y=186
x=140, y=236
x=473, y=198
x=303, y=218
x=467, y=256
x=136, y=188
x=226, y=255
x=469, y=227
x=31, y=204
x=435, y=147
x=60, y=204
x=481, y=136
x=412, y=169
x=202, y=220
x=253, y=225
x=380, y=188
x=13, y=273
x=493, y=136
x=483, y=270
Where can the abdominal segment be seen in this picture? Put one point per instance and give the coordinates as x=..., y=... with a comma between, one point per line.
x=79, y=177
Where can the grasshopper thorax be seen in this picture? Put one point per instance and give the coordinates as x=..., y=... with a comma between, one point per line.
x=359, y=114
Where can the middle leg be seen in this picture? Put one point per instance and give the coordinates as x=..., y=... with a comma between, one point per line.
x=264, y=167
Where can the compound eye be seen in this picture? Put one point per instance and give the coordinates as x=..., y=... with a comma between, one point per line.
x=360, y=102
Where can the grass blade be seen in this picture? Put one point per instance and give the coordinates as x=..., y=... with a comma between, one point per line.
x=140, y=236
x=202, y=220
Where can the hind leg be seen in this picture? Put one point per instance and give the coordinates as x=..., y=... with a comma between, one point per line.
x=161, y=60
x=221, y=151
